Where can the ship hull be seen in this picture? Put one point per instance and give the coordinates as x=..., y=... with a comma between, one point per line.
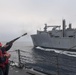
x=45, y=41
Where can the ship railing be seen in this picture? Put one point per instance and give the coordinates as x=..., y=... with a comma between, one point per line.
x=17, y=57
x=60, y=63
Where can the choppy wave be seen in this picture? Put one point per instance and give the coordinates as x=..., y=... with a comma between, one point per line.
x=69, y=53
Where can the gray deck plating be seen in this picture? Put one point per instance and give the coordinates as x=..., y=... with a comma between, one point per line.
x=17, y=71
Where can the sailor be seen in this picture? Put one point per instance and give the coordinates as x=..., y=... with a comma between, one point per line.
x=4, y=56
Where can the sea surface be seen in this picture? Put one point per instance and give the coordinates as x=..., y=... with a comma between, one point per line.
x=49, y=61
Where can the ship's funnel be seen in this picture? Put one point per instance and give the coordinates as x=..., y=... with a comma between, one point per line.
x=70, y=26
x=64, y=26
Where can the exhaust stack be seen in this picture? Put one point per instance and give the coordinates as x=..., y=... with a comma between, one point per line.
x=70, y=26
x=64, y=27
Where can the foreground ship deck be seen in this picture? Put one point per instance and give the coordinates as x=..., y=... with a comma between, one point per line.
x=17, y=71
x=53, y=64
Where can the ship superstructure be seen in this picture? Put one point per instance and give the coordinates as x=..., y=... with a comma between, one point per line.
x=56, y=38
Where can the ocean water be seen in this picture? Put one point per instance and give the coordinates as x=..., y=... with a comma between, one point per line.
x=49, y=61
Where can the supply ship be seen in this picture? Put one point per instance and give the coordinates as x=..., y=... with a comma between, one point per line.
x=56, y=38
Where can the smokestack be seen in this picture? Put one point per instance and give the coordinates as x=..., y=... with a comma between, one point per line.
x=70, y=26
x=64, y=27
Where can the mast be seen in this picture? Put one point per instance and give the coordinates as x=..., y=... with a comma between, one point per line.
x=45, y=28
x=64, y=27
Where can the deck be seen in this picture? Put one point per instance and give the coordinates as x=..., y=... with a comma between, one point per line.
x=17, y=71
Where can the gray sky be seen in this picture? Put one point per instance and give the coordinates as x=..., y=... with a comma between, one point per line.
x=19, y=16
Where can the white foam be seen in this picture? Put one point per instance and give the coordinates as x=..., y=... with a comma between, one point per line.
x=59, y=51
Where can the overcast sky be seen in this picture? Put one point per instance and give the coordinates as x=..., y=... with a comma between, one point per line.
x=19, y=16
